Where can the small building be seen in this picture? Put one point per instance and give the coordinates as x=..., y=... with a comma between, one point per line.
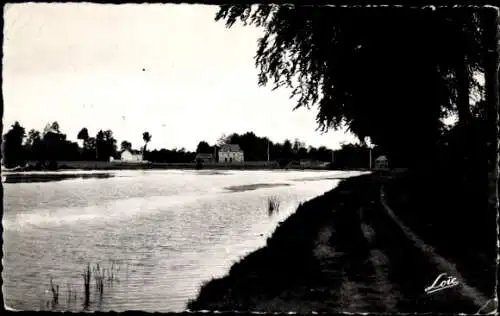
x=206, y=158
x=311, y=163
x=382, y=163
x=131, y=156
x=231, y=153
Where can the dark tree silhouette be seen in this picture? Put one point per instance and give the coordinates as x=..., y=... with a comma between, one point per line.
x=255, y=147
x=35, y=146
x=55, y=146
x=105, y=145
x=345, y=60
x=353, y=156
x=33, y=137
x=286, y=152
x=83, y=135
x=204, y=147
x=51, y=127
x=125, y=145
x=297, y=145
x=146, y=137
x=91, y=148
x=50, y=147
x=302, y=153
x=100, y=144
x=111, y=150
x=171, y=156
x=13, y=151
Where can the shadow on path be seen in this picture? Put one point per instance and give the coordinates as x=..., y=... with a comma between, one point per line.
x=345, y=251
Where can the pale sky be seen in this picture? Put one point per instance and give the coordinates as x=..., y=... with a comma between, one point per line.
x=82, y=65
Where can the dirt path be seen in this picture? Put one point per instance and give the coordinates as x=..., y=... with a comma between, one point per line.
x=465, y=291
x=387, y=267
x=365, y=285
x=347, y=251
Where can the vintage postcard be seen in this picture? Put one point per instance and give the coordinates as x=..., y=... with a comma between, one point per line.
x=250, y=158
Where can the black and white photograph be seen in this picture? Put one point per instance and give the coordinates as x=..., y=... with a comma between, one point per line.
x=265, y=157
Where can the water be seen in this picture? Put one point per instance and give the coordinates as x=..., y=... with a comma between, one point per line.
x=162, y=233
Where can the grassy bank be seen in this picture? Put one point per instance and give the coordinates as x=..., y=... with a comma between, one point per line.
x=341, y=252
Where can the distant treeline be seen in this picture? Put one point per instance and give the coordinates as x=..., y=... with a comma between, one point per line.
x=258, y=148
x=51, y=145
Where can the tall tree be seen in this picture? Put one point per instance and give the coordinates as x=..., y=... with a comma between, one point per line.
x=99, y=145
x=33, y=136
x=105, y=145
x=287, y=152
x=297, y=145
x=110, y=146
x=223, y=139
x=125, y=145
x=146, y=137
x=204, y=147
x=13, y=151
x=358, y=69
x=51, y=128
x=54, y=142
x=91, y=148
x=34, y=145
x=83, y=135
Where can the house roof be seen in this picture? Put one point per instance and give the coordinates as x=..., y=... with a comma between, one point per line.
x=230, y=147
x=133, y=151
x=381, y=158
x=203, y=155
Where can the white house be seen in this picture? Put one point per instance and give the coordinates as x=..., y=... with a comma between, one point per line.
x=131, y=156
x=229, y=153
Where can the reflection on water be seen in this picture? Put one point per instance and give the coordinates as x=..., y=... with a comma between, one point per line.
x=21, y=177
x=250, y=187
x=159, y=234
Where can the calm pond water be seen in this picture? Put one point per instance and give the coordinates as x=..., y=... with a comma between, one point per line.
x=160, y=234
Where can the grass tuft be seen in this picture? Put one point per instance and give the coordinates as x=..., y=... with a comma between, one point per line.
x=100, y=275
x=273, y=205
x=54, y=288
x=86, y=284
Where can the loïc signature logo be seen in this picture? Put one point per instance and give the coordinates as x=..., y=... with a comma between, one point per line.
x=442, y=282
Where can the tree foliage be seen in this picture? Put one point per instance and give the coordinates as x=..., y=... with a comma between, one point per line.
x=146, y=137
x=12, y=151
x=204, y=147
x=383, y=73
x=105, y=145
x=126, y=145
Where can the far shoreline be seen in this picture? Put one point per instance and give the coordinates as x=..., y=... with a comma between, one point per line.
x=118, y=165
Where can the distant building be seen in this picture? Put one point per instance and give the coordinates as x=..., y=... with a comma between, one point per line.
x=381, y=163
x=206, y=158
x=131, y=156
x=230, y=153
x=308, y=162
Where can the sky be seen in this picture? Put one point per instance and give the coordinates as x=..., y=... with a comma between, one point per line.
x=168, y=69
